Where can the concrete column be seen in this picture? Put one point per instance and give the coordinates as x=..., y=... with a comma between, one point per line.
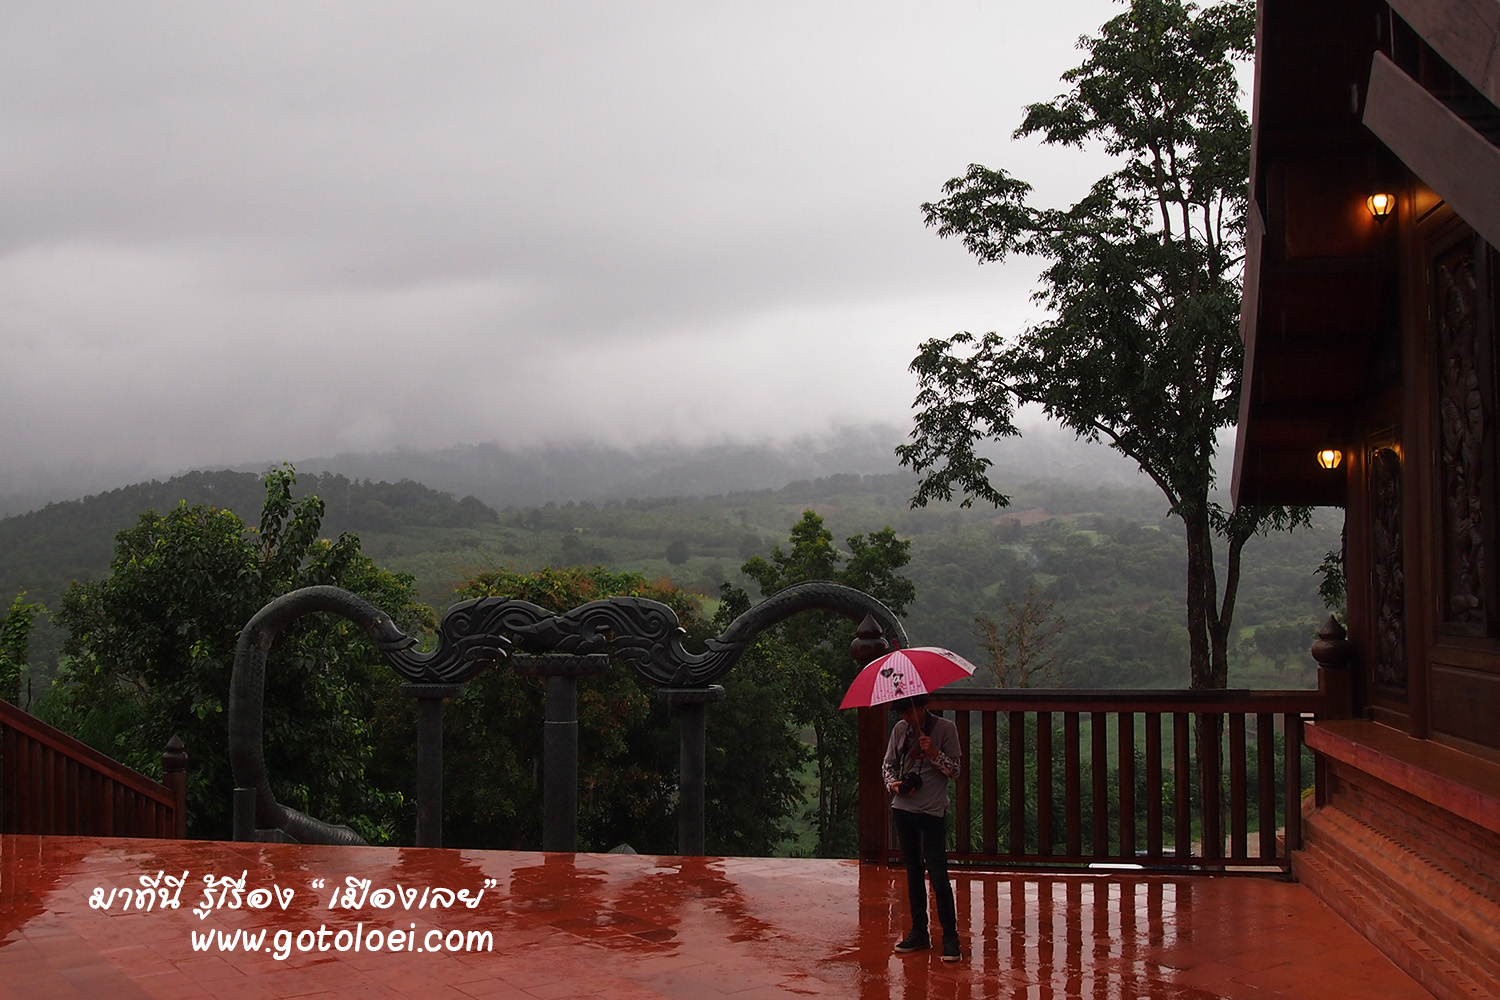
x=560, y=741
x=244, y=815
x=560, y=767
x=692, y=714
x=430, y=698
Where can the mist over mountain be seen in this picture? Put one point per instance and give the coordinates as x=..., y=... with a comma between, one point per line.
x=505, y=476
x=1085, y=530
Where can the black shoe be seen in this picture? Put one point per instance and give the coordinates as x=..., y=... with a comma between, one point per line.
x=951, y=952
x=915, y=941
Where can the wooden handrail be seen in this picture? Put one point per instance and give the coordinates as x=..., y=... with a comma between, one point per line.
x=52, y=783
x=12, y=717
x=1069, y=700
x=1126, y=765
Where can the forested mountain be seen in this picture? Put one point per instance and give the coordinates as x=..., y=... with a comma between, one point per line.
x=1108, y=559
x=43, y=550
x=513, y=475
x=1105, y=560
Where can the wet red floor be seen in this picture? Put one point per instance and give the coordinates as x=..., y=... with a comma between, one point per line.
x=622, y=926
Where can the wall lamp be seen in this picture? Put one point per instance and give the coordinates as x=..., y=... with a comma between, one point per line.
x=1329, y=458
x=1381, y=206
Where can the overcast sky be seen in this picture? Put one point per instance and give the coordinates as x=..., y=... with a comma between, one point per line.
x=236, y=232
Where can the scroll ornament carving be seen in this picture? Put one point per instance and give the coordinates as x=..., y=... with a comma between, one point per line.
x=480, y=633
x=644, y=634
x=1461, y=420
x=1390, y=581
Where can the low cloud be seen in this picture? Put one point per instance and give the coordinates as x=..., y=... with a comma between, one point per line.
x=286, y=229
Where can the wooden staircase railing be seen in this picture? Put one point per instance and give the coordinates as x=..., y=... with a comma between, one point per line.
x=52, y=784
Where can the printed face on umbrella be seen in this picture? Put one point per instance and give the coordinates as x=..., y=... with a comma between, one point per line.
x=896, y=678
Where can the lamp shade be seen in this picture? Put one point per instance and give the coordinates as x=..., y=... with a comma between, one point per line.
x=1329, y=458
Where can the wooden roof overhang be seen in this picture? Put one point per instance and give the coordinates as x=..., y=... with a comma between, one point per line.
x=1351, y=97
x=1315, y=284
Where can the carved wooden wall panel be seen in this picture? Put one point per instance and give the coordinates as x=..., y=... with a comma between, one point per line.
x=1462, y=422
x=1386, y=487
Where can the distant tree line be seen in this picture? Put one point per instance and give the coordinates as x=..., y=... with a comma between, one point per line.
x=43, y=551
x=1107, y=559
x=149, y=648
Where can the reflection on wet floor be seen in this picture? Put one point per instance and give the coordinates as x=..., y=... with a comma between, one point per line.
x=563, y=925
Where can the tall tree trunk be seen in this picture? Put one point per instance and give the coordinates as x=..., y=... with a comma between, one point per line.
x=1235, y=538
x=1201, y=597
x=1208, y=671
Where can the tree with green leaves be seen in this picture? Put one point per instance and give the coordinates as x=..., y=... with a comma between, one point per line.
x=1333, y=588
x=1141, y=282
x=151, y=649
x=15, y=639
x=811, y=653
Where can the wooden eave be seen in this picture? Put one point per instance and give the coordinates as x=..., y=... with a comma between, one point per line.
x=1315, y=285
x=1465, y=33
x=1450, y=156
x=1352, y=97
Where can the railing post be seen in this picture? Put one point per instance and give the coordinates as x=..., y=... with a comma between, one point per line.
x=1333, y=651
x=174, y=775
x=869, y=643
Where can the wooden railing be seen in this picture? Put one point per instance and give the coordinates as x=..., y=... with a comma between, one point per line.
x=51, y=783
x=1068, y=779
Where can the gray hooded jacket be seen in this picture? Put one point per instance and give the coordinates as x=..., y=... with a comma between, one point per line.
x=932, y=797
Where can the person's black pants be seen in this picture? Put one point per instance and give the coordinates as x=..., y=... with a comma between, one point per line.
x=924, y=845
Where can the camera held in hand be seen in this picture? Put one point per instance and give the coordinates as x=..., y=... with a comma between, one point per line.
x=910, y=783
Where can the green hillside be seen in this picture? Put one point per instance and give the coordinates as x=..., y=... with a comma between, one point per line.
x=1108, y=559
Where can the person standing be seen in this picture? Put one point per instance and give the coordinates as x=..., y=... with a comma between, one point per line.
x=921, y=757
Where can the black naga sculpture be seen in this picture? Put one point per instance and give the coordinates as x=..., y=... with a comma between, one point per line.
x=480, y=633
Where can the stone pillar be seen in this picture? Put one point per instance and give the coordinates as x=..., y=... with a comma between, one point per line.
x=430, y=698
x=692, y=715
x=174, y=775
x=560, y=741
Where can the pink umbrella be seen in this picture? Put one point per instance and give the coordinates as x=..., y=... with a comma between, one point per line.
x=904, y=673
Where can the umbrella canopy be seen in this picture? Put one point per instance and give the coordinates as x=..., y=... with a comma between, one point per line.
x=904, y=673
